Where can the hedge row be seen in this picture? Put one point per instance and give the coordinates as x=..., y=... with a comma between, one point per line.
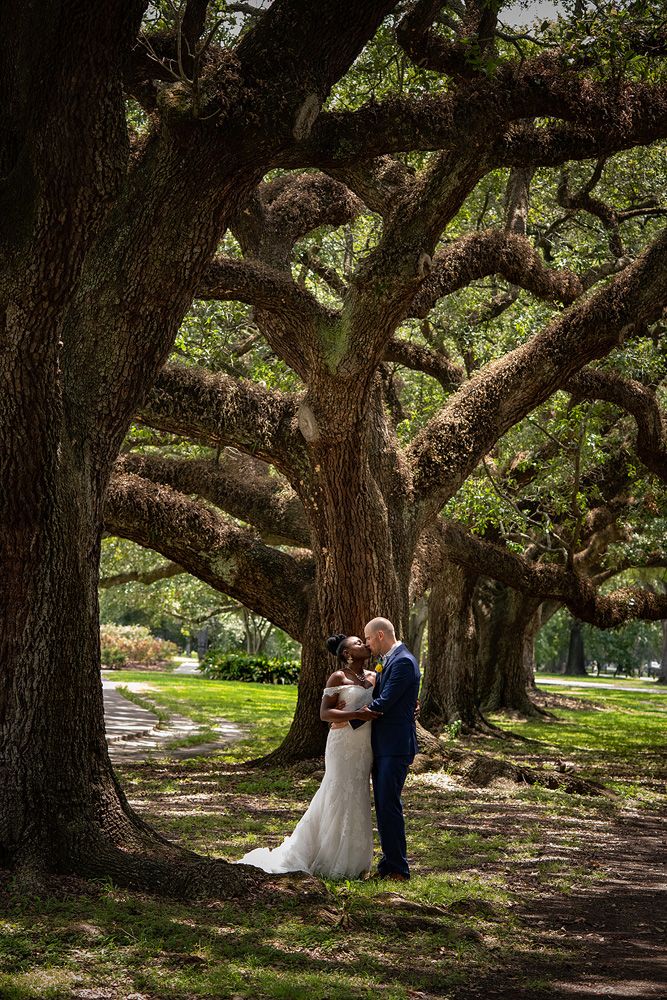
x=132, y=644
x=243, y=667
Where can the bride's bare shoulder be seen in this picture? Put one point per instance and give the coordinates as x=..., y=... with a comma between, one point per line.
x=336, y=679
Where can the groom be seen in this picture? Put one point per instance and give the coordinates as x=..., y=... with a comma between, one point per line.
x=394, y=741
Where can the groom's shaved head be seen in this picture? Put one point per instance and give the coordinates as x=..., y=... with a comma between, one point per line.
x=381, y=625
x=379, y=636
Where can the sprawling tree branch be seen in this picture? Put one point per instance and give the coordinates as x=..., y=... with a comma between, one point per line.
x=494, y=251
x=231, y=559
x=379, y=183
x=598, y=119
x=217, y=410
x=552, y=582
x=260, y=285
x=385, y=285
x=453, y=57
x=295, y=204
x=636, y=399
x=237, y=484
x=425, y=359
x=162, y=572
x=450, y=447
x=554, y=145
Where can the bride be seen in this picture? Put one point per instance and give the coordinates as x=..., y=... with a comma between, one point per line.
x=334, y=837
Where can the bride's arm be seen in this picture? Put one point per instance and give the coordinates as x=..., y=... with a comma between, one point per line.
x=328, y=710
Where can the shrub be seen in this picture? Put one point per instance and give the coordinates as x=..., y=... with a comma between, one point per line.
x=123, y=644
x=244, y=667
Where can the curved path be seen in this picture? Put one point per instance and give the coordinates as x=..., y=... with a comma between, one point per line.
x=134, y=733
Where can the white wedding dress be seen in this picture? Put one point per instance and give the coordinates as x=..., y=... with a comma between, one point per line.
x=334, y=837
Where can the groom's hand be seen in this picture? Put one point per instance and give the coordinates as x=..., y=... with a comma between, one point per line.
x=418, y=709
x=365, y=714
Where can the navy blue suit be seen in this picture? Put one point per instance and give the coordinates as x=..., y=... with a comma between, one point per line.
x=394, y=742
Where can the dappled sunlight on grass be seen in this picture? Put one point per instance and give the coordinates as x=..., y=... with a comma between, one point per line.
x=481, y=858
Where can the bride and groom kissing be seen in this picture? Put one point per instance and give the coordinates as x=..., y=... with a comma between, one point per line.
x=372, y=733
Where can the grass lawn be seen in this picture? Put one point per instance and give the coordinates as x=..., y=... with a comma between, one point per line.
x=508, y=881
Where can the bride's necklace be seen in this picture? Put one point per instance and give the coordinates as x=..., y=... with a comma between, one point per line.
x=360, y=677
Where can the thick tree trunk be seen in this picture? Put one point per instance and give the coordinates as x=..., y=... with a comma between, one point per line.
x=662, y=676
x=449, y=689
x=416, y=627
x=529, y=663
x=544, y=613
x=202, y=642
x=503, y=676
x=59, y=800
x=575, y=665
x=363, y=554
x=61, y=807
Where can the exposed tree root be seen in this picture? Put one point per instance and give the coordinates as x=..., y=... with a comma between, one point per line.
x=525, y=709
x=480, y=769
x=162, y=869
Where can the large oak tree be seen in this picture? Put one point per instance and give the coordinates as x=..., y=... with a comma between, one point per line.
x=104, y=242
x=108, y=236
x=364, y=502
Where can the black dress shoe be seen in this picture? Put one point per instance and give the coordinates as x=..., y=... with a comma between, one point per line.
x=389, y=877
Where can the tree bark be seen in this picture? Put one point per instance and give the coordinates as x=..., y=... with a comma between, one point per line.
x=575, y=665
x=417, y=626
x=662, y=676
x=61, y=808
x=530, y=635
x=503, y=674
x=449, y=688
x=362, y=547
x=100, y=261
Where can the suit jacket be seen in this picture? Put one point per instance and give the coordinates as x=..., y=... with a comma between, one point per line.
x=396, y=691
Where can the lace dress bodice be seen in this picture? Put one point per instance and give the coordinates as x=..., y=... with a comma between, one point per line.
x=334, y=837
x=354, y=695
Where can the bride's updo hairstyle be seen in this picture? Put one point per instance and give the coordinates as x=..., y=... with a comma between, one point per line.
x=336, y=645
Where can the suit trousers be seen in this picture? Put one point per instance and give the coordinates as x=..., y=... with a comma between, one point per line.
x=389, y=774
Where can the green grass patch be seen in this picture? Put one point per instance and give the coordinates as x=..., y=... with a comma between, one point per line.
x=266, y=710
x=479, y=856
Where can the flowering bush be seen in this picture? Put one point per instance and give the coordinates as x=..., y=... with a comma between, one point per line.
x=123, y=644
x=244, y=667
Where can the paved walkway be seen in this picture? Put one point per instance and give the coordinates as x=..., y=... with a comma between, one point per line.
x=134, y=733
x=189, y=667
x=573, y=682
